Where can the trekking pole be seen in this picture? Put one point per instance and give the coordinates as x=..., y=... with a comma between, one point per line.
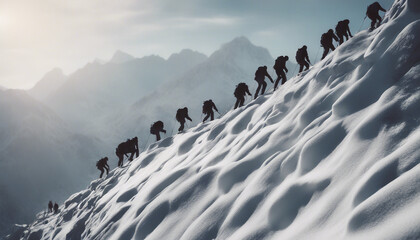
x=173, y=127
x=272, y=74
x=294, y=70
x=361, y=25
x=145, y=145
x=316, y=57
x=390, y=3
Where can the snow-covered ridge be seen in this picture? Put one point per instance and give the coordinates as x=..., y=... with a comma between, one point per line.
x=333, y=154
x=48, y=84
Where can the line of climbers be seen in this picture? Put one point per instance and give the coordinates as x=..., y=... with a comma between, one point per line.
x=342, y=30
x=52, y=207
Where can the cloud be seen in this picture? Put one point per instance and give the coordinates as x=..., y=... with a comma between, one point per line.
x=67, y=34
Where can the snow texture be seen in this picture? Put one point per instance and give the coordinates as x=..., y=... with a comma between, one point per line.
x=333, y=154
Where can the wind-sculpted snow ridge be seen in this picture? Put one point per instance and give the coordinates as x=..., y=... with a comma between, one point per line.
x=333, y=154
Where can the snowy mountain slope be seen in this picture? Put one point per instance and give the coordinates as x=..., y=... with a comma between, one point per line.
x=215, y=78
x=48, y=84
x=332, y=155
x=40, y=158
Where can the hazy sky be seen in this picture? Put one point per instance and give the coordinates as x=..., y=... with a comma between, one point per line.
x=38, y=35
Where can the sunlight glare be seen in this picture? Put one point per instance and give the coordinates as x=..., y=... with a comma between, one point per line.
x=5, y=20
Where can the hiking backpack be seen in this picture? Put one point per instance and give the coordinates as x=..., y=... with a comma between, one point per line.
x=180, y=114
x=152, y=130
x=259, y=73
x=324, y=38
x=299, y=54
x=207, y=106
x=279, y=63
x=240, y=89
x=156, y=127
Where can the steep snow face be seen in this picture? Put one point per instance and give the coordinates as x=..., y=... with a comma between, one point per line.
x=333, y=154
x=48, y=84
x=40, y=158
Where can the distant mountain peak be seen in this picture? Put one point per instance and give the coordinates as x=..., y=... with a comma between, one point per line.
x=48, y=83
x=240, y=48
x=238, y=42
x=99, y=61
x=121, y=57
x=55, y=71
x=241, y=40
x=187, y=54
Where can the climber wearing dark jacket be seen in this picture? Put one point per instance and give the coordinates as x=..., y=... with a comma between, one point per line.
x=343, y=30
x=260, y=75
x=280, y=67
x=181, y=115
x=50, y=206
x=208, y=107
x=55, y=208
x=240, y=93
x=156, y=128
x=302, y=58
x=373, y=14
x=102, y=165
x=130, y=146
x=327, y=42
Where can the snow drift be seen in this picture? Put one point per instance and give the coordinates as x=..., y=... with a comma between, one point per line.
x=333, y=154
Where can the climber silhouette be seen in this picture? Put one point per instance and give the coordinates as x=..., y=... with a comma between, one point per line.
x=302, y=58
x=129, y=146
x=55, y=208
x=103, y=164
x=373, y=14
x=343, y=30
x=50, y=206
x=208, y=107
x=181, y=115
x=280, y=67
x=240, y=93
x=327, y=42
x=260, y=75
x=156, y=128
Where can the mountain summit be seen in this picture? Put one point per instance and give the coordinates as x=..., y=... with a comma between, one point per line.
x=241, y=48
x=48, y=84
x=121, y=57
